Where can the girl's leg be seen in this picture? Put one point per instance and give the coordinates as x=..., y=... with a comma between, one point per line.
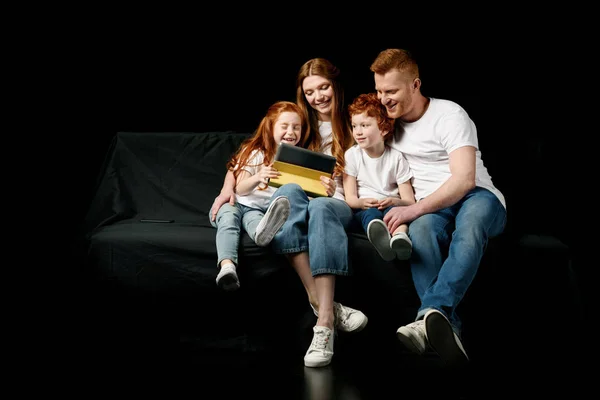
x=228, y=224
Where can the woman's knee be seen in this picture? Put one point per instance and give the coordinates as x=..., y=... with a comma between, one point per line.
x=289, y=190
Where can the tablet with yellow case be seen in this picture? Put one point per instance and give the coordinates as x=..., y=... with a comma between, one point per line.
x=303, y=167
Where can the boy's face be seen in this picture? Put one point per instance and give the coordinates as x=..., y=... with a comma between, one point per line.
x=288, y=128
x=366, y=132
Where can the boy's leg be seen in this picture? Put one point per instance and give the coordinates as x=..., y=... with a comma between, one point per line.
x=377, y=232
x=400, y=243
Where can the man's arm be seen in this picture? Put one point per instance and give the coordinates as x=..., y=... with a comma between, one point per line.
x=461, y=181
x=227, y=195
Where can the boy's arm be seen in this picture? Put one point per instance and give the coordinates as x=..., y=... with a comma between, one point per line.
x=351, y=191
x=407, y=194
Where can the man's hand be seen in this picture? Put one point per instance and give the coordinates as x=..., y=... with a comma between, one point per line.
x=221, y=199
x=399, y=215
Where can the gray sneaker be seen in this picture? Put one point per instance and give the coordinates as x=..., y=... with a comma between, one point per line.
x=276, y=215
x=413, y=336
x=347, y=319
x=380, y=237
x=227, y=278
x=401, y=245
x=444, y=340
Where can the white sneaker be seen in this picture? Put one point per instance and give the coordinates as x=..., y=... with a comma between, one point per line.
x=227, y=278
x=320, y=352
x=379, y=236
x=276, y=215
x=401, y=245
x=347, y=319
x=413, y=336
x=443, y=339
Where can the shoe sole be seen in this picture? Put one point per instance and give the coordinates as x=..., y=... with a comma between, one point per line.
x=316, y=364
x=402, y=248
x=408, y=343
x=442, y=340
x=379, y=236
x=274, y=218
x=229, y=282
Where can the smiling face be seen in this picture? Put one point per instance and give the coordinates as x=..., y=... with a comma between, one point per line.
x=367, y=134
x=396, y=90
x=318, y=92
x=288, y=128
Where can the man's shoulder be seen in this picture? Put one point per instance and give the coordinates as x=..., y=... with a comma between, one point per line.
x=443, y=106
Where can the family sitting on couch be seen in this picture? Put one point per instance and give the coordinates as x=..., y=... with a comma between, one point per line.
x=408, y=169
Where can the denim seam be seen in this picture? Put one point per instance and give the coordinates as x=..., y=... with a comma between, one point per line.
x=330, y=271
x=291, y=251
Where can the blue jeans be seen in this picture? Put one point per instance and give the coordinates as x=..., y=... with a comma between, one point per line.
x=459, y=234
x=229, y=221
x=365, y=216
x=319, y=224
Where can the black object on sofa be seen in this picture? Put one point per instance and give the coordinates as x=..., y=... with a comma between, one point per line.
x=152, y=285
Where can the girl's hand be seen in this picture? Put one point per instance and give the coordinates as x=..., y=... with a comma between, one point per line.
x=267, y=172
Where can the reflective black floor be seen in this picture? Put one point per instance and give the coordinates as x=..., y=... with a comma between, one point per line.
x=381, y=375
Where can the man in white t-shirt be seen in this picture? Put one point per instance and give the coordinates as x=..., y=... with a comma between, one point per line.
x=457, y=210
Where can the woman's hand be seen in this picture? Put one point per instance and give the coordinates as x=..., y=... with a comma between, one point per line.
x=329, y=185
x=222, y=198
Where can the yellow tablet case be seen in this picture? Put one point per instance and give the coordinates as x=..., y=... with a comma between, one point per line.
x=303, y=167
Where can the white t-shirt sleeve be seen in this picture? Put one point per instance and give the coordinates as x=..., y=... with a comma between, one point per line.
x=351, y=167
x=457, y=130
x=403, y=171
x=254, y=163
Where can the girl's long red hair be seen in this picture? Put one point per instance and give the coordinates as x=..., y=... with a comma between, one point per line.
x=262, y=139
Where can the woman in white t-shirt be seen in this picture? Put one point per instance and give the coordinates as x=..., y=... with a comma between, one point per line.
x=313, y=223
x=261, y=218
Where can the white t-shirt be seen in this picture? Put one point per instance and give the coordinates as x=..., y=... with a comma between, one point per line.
x=427, y=143
x=326, y=132
x=257, y=198
x=379, y=177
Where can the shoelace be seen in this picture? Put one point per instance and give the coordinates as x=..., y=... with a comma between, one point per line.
x=320, y=340
x=417, y=325
x=342, y=313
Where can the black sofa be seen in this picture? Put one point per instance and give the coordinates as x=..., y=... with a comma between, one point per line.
x=151, y=292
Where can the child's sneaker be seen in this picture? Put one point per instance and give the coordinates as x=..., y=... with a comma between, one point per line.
x=379, y=236
x=227, y=278
x=320, y=352
x=276, y=215
x=401, y=245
